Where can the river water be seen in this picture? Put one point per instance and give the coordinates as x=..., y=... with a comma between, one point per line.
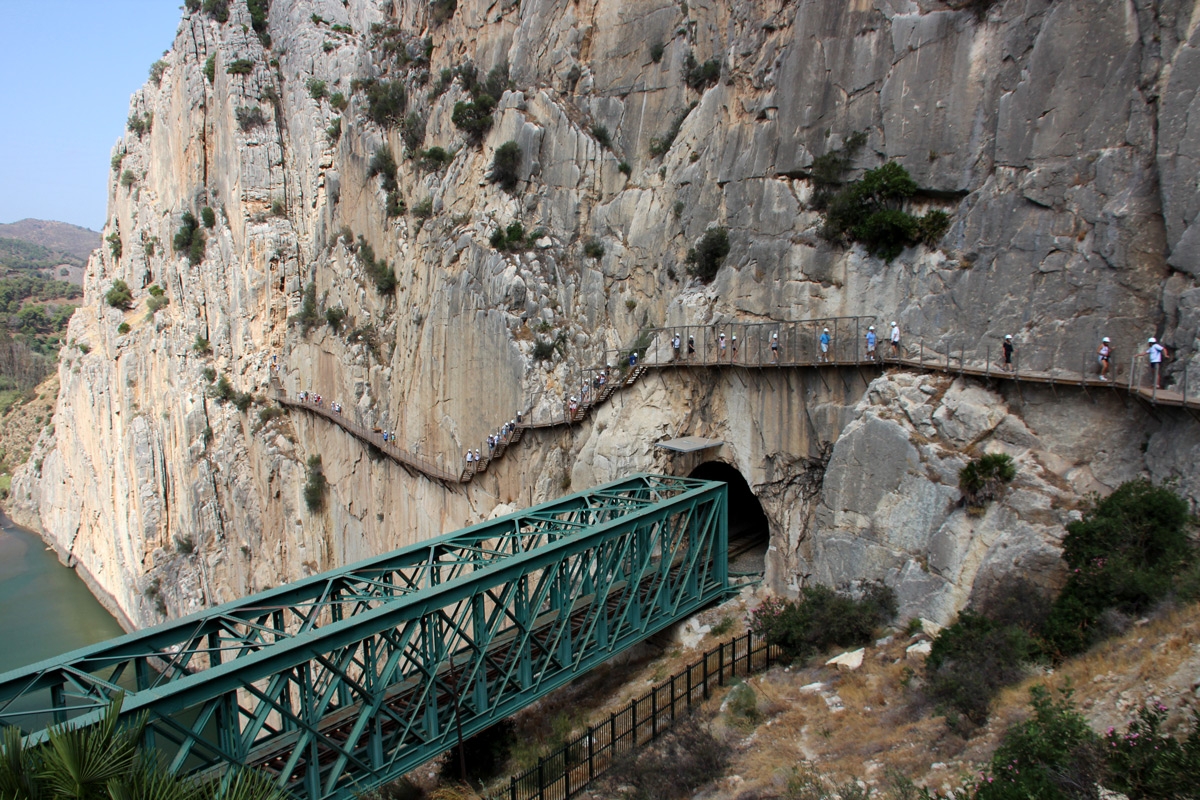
x=45, y=609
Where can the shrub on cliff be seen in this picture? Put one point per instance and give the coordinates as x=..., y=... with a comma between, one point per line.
x=709, y=254
x=823, y=618
x=871, y=212
x=442, y=10
x=701, y=76
x=386, y=101
x=189, y=238
x=314, y=487
x=983, y=479
x=119, y=295
x=474, y=118
x=506, y=166
x=308, y=317
x=1122, y=557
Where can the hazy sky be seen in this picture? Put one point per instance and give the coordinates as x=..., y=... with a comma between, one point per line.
x=69, y=67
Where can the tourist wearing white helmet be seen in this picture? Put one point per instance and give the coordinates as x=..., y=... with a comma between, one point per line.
x=871, y=341
x=1104, y=356
x=1156, y=353
x=1008, y=352
x=895, y=340
x=825, y=344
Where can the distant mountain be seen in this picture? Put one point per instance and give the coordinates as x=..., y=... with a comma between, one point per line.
x=70, y=243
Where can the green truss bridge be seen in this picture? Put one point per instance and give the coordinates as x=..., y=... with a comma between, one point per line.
x=348, y=679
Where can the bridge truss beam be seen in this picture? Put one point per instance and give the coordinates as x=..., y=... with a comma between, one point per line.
x=351, y=678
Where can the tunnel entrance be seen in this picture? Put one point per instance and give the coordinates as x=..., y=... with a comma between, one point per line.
x=749, y=531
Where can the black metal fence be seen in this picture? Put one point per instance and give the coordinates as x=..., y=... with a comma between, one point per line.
x=568, y=770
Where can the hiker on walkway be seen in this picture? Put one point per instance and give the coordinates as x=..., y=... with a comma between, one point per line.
x=1104, y=356
x=825, y=345
x=721, y=346
x=895, y=339
x=633, y=358
x=675, y=347
x=691, y=351
x=871, y=341
x=735, y=347
x=1156, y=353
x=1008, y=352
x=775, y=347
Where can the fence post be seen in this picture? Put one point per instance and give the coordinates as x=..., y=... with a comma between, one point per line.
x=654, y=713
x=673, y=697
x=541, y=778
x=512, y=788
x=635, y=731
x=591, y=753
x=721, y=665
x=706, y=676
x=689, y=687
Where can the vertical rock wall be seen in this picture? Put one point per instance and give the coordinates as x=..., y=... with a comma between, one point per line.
x=1055, y=132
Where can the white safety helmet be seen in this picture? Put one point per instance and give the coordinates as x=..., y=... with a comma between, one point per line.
x=1152, y=340
x=735, y=336
x=774, y=335
x=893, y=323
x=827, y=330
x=871, y=328
x=1009, y=336
x=1106, y=339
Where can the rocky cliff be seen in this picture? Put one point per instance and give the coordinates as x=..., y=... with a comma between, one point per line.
x=1058, y=134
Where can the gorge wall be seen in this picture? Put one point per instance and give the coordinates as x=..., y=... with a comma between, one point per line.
x=1059, y=134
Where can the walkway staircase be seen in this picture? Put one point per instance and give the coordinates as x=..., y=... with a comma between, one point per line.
x=796, y=347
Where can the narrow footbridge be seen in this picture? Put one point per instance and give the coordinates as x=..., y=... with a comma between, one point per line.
x=348, y=679
x=777, y=346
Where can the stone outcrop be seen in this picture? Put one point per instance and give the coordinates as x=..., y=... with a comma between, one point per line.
x=1054, y=131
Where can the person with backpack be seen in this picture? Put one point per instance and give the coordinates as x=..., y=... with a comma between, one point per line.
x=1156, y=353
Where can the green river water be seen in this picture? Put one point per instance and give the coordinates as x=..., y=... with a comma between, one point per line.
x=45, y=609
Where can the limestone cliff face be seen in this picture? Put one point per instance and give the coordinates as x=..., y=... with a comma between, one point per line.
x=1056, y=133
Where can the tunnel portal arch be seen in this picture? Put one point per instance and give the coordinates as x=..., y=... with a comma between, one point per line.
x=749, y=528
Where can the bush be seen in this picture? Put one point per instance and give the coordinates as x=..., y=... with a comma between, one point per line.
x=870, y=212
x=202, y=346
x=442, y=10
x=210, y=68
x=210, y=374
x=335, y=316
x=334, y=131
x=435, y=158
x=982, y=479
x=383, y=164
x=217, y=9
x=1123, y=555
x=625, y=169
x=278, y=207
x=308, y=317
x=827, y=170
x=190, y=239
x=656, y=51
x=386, y=102
x=970, y=662
x=1146, y=762
x=258, y=19
x=156, y=304
x=249, y=118
x=242, y=66
x=119, y=295
x=474, y=119
x=412, y=131
x=380, y=271
x=593, y=248
x=156, y=71
x=709, y=254
x=314, y=487
x=701, y=76
x=317, y=89
x=208, y=216
x=338, y=100
x=123, y=328
x=128, y=178
x=660, y=146
x=601, y=135
x=1052, y=756
x=269, y=413
x=506, y=166
x=423, y=209
x=114, y=244
x=823, y=618
x=140, y=125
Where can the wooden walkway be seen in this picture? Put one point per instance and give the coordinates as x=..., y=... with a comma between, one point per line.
x=797, y=347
